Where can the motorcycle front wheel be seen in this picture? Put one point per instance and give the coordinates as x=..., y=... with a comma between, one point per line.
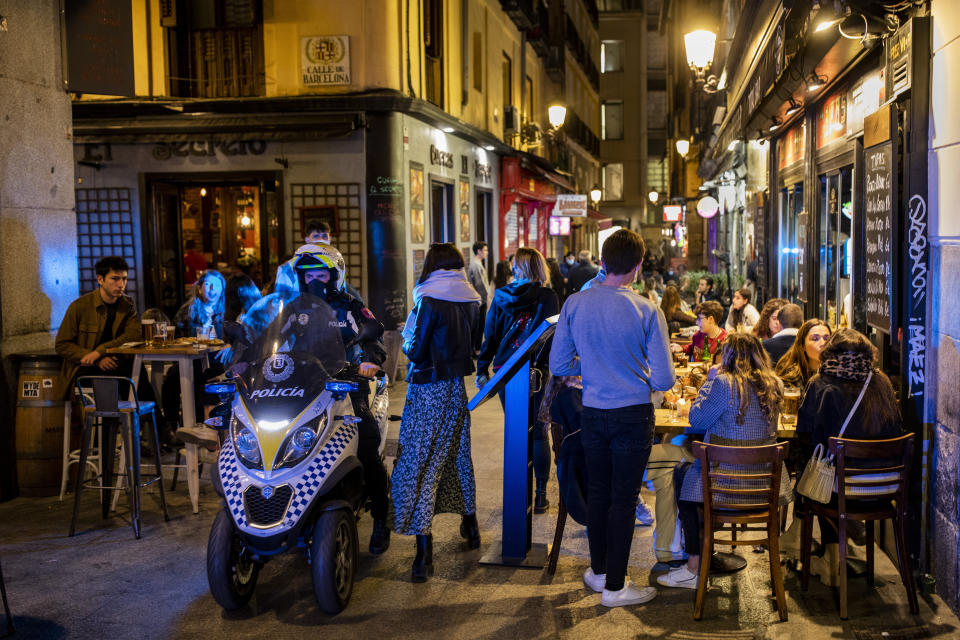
x=334, y=554
x=231, y=570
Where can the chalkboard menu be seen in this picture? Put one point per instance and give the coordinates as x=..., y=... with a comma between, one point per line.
x=878, y=193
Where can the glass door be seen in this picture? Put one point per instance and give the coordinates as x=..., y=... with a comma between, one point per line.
x=835, y=229
x=792, y=242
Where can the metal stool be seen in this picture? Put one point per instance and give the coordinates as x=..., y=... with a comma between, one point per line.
x=6, y=605
x=72, y=456
x=125, y=414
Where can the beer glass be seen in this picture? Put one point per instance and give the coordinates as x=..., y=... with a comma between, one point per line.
x=791, y=404
x=148, y=325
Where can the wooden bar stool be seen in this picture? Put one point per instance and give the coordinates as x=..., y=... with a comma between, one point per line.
x=112, y=413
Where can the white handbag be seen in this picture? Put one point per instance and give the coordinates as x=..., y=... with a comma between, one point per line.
x=819, y=476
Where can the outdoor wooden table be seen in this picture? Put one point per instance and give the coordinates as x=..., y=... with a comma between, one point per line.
x=664, y=424
x=183, y=352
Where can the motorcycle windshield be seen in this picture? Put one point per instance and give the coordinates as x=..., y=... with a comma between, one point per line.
x=293, y=347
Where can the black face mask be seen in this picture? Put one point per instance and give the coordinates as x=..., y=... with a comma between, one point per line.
x=317, y=288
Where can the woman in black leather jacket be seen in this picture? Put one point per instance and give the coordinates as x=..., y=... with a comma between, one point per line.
x=434, y=471
x=516, y=311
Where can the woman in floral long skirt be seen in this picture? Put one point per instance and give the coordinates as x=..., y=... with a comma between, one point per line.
x=434, y=471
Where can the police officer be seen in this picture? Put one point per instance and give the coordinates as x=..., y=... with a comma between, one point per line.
x=321, y=272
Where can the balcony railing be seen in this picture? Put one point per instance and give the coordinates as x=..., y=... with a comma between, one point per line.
x=581, y=55
x=223, y=63
x=539, y=35
x=578, y=131
x=521, y=12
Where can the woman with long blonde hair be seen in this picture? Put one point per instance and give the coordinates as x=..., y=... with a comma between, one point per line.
x=517, y=310
x=738, y=406
x=802, y=360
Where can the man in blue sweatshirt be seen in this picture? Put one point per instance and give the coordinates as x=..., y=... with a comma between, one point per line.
x=618, y=342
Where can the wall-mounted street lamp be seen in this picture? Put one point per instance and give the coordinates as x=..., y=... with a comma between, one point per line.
x=699, y=47
x=683, y=148
x=556, y=114
x=595, y=194
x=653, y=196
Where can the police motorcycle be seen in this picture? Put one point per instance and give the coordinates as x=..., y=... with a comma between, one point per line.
x=288, y=470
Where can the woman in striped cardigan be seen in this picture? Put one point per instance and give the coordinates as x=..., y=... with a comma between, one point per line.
x=738, y=405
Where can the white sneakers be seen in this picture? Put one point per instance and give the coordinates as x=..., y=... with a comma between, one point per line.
x=679, y=578
x=594, y=581
x=644, y=516
x=630, y=594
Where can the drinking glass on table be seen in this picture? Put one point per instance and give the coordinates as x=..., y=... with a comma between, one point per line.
x=791, y=404
x=148, y=325
x=161, y=331
x=677, y=392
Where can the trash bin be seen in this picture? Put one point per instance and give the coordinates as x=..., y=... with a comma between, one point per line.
x=39, y=425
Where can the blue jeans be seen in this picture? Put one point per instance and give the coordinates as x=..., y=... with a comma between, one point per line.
x=616, y=444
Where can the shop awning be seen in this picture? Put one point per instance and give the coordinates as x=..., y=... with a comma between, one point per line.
x=216, y=127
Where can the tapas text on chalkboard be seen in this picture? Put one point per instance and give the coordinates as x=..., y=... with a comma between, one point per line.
x=878, y=195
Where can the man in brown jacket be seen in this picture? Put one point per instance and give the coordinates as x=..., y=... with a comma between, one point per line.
x=95, y=322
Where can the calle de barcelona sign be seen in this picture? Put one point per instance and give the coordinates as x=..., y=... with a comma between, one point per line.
x=325, y=60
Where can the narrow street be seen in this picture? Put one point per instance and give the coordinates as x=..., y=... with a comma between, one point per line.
x=105, y=584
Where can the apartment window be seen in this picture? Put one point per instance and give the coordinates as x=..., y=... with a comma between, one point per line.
x=656, y=50
x=433, y=49
x=506, y=80
x=216, y=50
x=656, y=109
x=613, y=181
x=611, y=56
x=528, y=98
x=611, y=119
x=477, y=61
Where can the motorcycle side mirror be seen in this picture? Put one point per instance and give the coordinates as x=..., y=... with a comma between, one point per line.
x=220, y=387
x=370, y=330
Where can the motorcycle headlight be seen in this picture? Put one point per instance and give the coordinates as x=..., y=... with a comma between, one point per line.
x=300, y=442
x=247, y=446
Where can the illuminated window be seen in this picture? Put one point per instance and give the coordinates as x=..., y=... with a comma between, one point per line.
x=611, y=115
x=611, y=56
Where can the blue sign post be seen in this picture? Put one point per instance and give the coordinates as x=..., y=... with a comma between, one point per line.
x=514, y=378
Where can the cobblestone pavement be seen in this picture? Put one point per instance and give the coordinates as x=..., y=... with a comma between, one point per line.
x=105, y=584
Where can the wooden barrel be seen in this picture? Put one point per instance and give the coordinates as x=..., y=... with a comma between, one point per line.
x=39, y=426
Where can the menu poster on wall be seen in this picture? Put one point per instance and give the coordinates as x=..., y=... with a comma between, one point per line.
x=878, y=187
x=464, y=210
x=416, y=203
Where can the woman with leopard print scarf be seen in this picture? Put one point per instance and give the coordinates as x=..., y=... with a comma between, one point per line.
x=845, y=363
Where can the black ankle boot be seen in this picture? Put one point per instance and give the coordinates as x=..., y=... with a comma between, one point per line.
x=380, y=538
x=470, y=531
x=423, y=563
x=540, y=502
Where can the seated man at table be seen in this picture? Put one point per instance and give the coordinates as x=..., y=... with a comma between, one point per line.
x=790, y=318
x=705, y=344
x=94, y=322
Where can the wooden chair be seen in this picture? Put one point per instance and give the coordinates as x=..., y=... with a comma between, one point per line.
x=865, y=494
x=735, y=497
x=556, y=435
